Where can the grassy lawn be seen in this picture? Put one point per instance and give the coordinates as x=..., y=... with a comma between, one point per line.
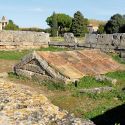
x=89, y=82
x=17, y=55
x=91, y=105
x=54, y=49
x=58, y=39
x=12, y=55
x=117, y=58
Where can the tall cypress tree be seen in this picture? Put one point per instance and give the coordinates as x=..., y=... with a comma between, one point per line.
x=78, y=27
x=54, y=29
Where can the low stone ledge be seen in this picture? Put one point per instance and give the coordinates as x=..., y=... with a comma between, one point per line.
x=96, y=90
x=102, y=78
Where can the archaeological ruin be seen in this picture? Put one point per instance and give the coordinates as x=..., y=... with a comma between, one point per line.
x=17, y=40
x=104, y=42
x=66, y=66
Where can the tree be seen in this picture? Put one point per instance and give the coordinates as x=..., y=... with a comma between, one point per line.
x=11, y=26
x=54, y=29
x=101, y=29
x=79, y=24
x=114, y=24
x=63, y=21
x=122, y=29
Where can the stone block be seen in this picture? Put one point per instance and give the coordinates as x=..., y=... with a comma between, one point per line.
x=69, y=38
x=122, y=54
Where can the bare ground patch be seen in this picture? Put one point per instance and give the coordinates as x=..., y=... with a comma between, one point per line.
x=6, y=65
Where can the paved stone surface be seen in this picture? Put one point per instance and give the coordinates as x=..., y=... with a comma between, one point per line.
x=76, y=64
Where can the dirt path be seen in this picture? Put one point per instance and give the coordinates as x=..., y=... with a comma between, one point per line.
x=6, y=65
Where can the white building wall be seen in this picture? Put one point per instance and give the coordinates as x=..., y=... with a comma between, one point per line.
x=0, y=26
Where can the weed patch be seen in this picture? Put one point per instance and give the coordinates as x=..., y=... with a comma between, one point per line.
x=117, y=58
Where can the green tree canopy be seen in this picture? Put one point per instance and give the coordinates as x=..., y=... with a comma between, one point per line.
x=54, y=29
x=114, y=24
x=63, y=21
x=79, y=24
x=101, y=29
x=11, y=26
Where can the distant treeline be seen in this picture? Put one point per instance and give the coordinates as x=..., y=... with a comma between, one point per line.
x=32, y=29
x=60, y=23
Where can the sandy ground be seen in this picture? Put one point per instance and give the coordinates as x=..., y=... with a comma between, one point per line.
x=7, y=65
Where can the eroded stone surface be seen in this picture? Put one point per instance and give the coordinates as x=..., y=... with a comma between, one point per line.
x=106, y=42
x=21, y=106
x=69, y=38
x=11, y=40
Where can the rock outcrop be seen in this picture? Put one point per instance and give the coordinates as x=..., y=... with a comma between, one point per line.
x=19, y=105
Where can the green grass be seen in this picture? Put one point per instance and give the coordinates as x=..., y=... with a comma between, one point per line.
x=51, y=85
x=17, y=55
x=14, y=76
x=120, y=75
x=97, y=111
x=89, y=82
x=12, y=55
x=53, y=49
x=117, y=58
x=58, y=39
x=98, y=103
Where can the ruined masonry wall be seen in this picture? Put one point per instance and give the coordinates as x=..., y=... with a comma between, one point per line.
x=106, y=42
x=11, y=40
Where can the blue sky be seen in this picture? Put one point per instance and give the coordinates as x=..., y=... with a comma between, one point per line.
x=33, y=13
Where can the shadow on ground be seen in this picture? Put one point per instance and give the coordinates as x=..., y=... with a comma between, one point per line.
x=111, y=117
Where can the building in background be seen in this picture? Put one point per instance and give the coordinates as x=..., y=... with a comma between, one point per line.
x=3, y=23
x=92, y=29
x=0, y=26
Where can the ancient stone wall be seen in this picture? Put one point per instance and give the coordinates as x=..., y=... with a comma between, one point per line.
x=10, y=40
x=106, y=42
